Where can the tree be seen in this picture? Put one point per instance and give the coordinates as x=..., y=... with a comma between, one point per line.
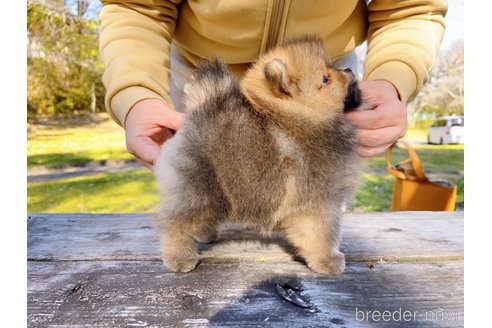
x=443, y=94
x=64, y=69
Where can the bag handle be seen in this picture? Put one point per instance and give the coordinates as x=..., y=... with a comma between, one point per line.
x=414, y=160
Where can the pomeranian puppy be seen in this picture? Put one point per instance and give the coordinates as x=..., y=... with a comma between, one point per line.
x=275, y=153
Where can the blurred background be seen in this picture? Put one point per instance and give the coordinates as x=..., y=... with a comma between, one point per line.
x=76, y=155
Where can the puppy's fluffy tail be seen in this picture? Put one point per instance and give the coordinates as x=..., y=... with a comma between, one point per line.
x=211, y=81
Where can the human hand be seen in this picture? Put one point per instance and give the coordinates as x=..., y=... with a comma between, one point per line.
x=148, y=125
x=379, y=128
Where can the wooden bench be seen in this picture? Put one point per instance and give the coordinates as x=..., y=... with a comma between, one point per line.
x=403, y=269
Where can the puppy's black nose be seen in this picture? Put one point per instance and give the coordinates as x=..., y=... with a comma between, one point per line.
x=347, y=70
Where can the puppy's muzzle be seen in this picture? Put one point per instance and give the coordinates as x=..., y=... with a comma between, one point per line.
x=350, y=74
x=353, y=98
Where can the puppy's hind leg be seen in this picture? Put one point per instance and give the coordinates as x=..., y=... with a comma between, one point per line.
x=180, y=226
x=192, y=204
x=178, y=235
x=316, y=239
x=178, y=250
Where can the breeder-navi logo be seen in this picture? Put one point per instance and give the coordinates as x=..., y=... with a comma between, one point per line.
x=401, y=315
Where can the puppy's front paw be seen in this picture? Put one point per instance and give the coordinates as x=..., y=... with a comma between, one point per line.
x=331, y=265
x=180, y=263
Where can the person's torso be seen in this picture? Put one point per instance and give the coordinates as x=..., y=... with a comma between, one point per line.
x=239, y=31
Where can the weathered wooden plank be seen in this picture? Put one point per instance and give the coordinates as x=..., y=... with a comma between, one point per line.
x=144, y=294
x=396, y=236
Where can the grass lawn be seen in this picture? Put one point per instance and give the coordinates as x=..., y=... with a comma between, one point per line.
x=434, y=158
x=121, y=192
x=57, y=142
x=69, y=140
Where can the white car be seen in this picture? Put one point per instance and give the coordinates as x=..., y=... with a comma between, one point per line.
x=447, y=130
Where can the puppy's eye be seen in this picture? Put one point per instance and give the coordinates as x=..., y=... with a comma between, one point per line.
x=325, y=79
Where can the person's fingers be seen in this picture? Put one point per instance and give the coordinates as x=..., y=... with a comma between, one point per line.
x=146, y=164
x=171, y=119
x=148, y=125
x=156, y=112
x=371, y=151
x=144, y=149
x=160, y=135
x=377, y=92
x=379, y=137
x=385, y=115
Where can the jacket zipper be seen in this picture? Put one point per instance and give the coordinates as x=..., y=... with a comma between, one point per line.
x=275, y=22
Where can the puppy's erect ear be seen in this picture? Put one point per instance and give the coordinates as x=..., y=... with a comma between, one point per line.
x=276, y=75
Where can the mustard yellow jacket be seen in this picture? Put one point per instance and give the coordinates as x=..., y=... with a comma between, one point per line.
x=135, y=37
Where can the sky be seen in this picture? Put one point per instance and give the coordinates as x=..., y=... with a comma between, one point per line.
x=454, y=23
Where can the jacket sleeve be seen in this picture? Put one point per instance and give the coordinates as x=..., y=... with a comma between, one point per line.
x=135, y=40
x=403, y=41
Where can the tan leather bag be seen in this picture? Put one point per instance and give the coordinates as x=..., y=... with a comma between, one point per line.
x=413, y=191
